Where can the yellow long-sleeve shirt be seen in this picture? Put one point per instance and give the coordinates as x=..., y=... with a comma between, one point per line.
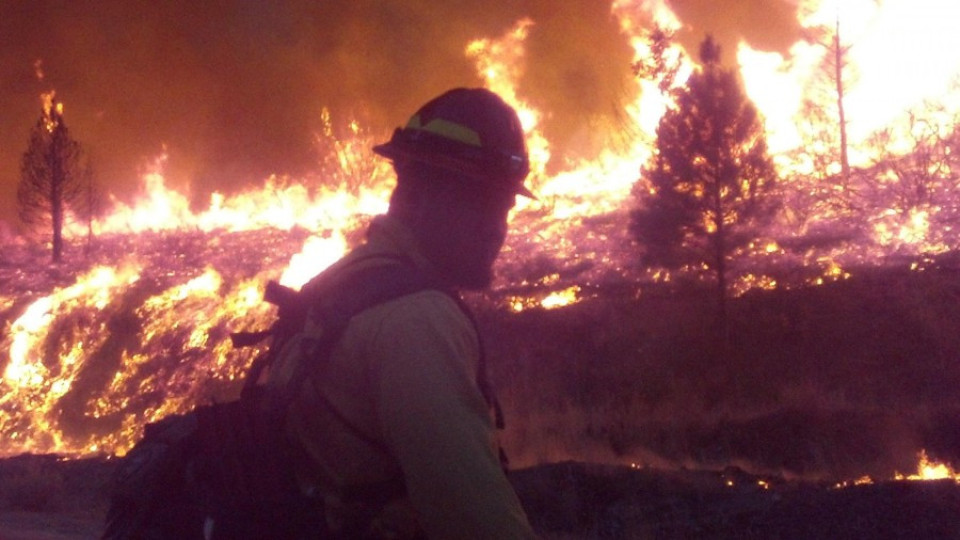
x=405, y=377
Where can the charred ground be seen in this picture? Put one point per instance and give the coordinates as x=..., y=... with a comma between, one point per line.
x=42, y=497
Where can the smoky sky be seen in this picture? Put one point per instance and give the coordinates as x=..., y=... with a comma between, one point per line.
x=233, y=90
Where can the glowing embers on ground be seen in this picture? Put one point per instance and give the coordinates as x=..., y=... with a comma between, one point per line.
x=48, y=347
x=182, y=355
x=549, y=300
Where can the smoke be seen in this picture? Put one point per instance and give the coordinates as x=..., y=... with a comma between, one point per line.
x=764, y=24
x=233, y=90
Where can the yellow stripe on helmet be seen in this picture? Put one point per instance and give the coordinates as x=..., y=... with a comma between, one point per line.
x=446, y=129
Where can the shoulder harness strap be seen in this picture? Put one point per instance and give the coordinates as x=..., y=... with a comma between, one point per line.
x=361, y=289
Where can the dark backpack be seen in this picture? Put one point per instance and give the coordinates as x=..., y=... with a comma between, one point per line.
x=223, y=471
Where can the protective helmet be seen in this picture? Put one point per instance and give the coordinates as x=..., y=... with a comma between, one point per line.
x=467, y=130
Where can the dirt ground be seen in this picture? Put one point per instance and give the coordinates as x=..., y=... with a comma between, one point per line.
x=22, y=525
x=43, y=498
x=47, y=498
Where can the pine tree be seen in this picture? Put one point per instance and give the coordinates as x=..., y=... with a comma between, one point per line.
x=708, y=190
x=52, y=175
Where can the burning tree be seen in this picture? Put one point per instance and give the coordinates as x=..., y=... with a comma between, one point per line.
x=53, y=174
x=823, y=182
x=834, y=65
x=914, y=178
x=708, y=190
x=662, y=64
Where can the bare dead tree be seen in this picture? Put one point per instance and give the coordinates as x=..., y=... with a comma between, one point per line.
x=827, y=186
x=839, y=62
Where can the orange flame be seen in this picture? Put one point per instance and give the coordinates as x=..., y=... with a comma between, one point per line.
x=280, y=204
x=927, y=470
x=499, y=63
x=930, y=470
x=317, y=254
x=890, y=51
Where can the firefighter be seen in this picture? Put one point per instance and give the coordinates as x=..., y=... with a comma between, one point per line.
x=397, y=433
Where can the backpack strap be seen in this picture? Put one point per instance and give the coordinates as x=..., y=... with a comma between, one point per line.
x=291, y=314
x=333, y=304
x=483, y=378
x=375, y=285
x=337, y=303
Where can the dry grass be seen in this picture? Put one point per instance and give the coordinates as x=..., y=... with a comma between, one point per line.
x=45, y=483
x=834, y=381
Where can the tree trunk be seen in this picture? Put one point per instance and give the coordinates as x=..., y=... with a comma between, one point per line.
x=56, y=215
x=91, y=210
x=56, y=195
x=720, y=245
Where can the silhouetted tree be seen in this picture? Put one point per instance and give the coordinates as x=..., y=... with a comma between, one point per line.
x=839, y=64
x=709, y=186
x=53, y=175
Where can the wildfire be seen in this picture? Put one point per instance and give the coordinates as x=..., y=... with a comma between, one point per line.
x=927, y=470
x=160, y=335
x=930, y=470
x=873, y=34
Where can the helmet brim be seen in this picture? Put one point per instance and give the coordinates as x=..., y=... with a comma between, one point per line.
x=398, y=150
